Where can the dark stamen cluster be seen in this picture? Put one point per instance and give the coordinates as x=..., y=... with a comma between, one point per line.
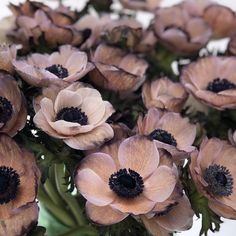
x=162, y=136
x=126, y=183
x=5, y=110
x=72, y=114
x=218, y=85
x=219, y=179
x=9, y=184
x=58, y=70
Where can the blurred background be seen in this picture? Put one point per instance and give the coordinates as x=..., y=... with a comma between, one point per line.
x=228, y=228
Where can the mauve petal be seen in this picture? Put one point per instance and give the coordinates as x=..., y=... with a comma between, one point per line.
x=39, y=60
x=139, y=154
x=159, y=186
x=104, y=215
x=93, y=188
x=88, y=92
x=93, y=139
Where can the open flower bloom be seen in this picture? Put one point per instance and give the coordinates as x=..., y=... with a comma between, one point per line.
x=146, y=5
x=164, y=94
x=22, y=222
x=178, y=218
x=20, y=178
x=76, y=114
x=221, y=19
x=7, y=54
x=31, y=30
x=179, y=31
x=117, y=70
x=212, y=81
x=133, y=178
x=169, y=131
x=213, y=169
x=67, y=65
x=111, y=30
x=13, y=112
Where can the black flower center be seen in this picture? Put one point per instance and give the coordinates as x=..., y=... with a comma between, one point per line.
x=5, y=110
x=162, y=136
x=219, y=179
x=58, y=70
x=72, y=114
x=9, y=183
x=126, y=183
x=218, y=85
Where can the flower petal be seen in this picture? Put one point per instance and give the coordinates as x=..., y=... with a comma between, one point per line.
x=179, y=218
x=139, y=154
x=104, y=215
x=159, y=186
x=67, y=98
x=93, y=188
x=136, y=206
x=93, y=139
x=101, y=163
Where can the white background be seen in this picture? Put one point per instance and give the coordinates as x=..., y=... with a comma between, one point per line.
x=228, y=228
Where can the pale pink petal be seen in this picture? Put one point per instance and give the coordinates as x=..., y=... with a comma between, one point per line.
x=104, y=215
x=139, y=154
x=93, y=188
x=138, y=205
x=179, y=218
x=159, y=186
x=102, y=164
x=94, y=108
x=67, y=98
x=93, y=139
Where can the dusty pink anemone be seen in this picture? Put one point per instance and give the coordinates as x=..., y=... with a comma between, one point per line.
x=179, y=31
x=106, y=27
x=133, y=179
x=67, y=65
x=12, y=105
x=117, y=70
x=161, y=127
x=213, y=169
x=212, y=81
x=20, y=178
x=164, y=94
x=221, y=19
x=76, y=114
x=30, y=31
x=178, y=218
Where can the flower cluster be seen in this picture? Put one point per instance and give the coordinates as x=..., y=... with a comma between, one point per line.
x=98, y=101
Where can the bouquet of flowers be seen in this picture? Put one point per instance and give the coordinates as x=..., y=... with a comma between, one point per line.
x=109, y=127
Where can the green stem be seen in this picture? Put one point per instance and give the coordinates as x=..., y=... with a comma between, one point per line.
x=58, y=212
x=52, y=193
x=68, y=198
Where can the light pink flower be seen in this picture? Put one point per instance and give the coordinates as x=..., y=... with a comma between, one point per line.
x=67, y=65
